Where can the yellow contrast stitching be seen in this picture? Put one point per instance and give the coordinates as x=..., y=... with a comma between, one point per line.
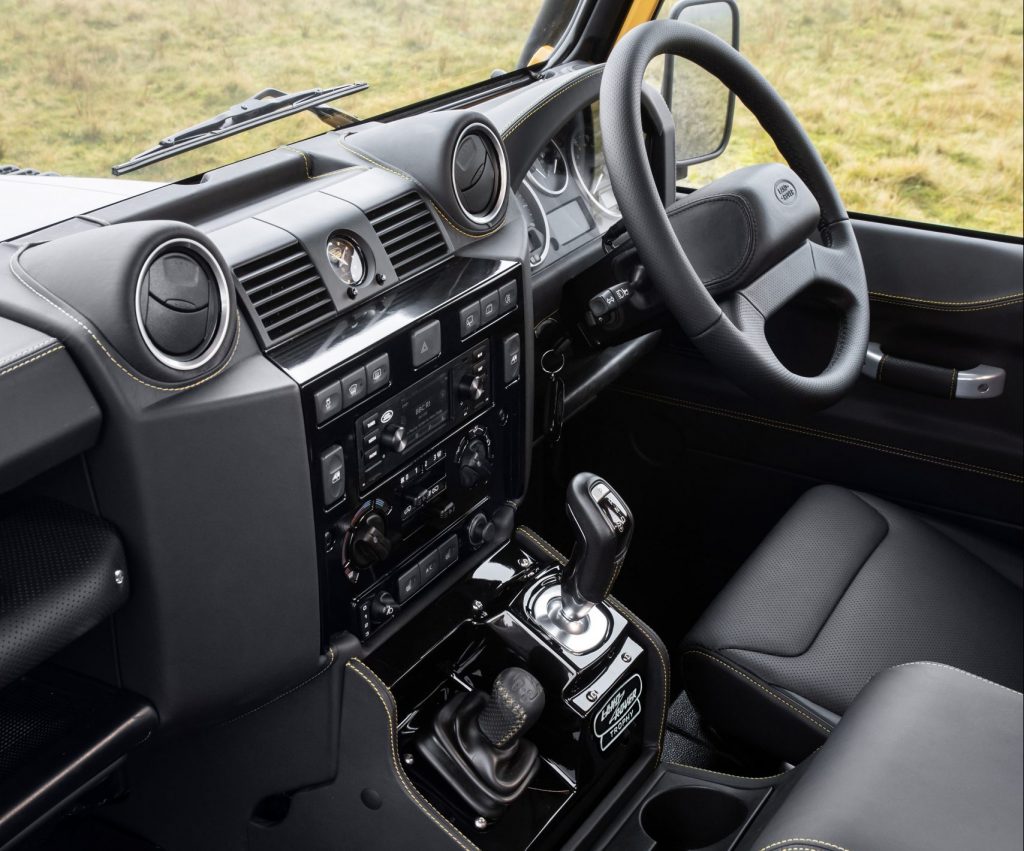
x=960, y=671
x=556, y=94
x=309, y=170
x=32, y=360
x=763, y=688
x=735, y=776
x=863, y=443
x=404, y=176
x=994, y=300
x=952, y=384
x=819, y=842
x=113, y=360
x=434, y=816
x=511, y=703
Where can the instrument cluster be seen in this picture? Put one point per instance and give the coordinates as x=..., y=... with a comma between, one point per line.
x=567, y=195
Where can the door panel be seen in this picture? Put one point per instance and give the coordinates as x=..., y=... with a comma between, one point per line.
x=945, y=299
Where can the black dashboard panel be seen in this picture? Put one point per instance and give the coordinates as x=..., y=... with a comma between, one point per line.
x=232, y=538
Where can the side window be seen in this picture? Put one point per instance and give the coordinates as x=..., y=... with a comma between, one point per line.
x=915, y=105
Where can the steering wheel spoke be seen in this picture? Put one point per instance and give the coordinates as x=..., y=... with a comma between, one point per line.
x=771, y=211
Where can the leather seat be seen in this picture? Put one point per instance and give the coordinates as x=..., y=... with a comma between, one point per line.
x=843, y=587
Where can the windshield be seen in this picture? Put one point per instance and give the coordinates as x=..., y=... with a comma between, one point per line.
x=89, y=83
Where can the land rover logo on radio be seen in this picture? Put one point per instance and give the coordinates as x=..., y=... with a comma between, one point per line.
x=385, y=418
x=785, y=191
x=618, y=711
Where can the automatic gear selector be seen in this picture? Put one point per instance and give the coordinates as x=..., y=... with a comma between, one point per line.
x=571, y=612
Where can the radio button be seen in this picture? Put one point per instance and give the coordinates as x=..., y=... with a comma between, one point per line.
x=353, y=387
x=489, y=307
x=378, y=373
x=327, y=401
x=371, y=422
x=508, y=297
x=371, y=457
x=426, y=343
x=469, y=319
x=370, y=439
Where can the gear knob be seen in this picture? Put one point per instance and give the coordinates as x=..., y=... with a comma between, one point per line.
x=515, y=704
x=604, y=527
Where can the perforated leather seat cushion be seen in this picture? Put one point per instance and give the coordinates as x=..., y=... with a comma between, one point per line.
x=845, y=586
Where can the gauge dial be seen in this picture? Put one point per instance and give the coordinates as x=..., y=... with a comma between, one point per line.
x=346, y=260
x=537, y=230
x=590, y=172
x=550, y=172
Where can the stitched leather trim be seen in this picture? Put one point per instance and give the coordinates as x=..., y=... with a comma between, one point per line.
x=960, y=671
x=21, y=274
x=407, y=177
x=628, y=615
x=305, y=682
x=992, y=303
x=815, y=845
x=25, y=352
x=40, y=356
x=309, y=166
x=515, y=125
x=358, y=667
x=763, y=687
x=735, y=776
x=863, y=443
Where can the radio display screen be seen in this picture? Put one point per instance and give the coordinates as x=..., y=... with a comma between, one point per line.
x=425, y=410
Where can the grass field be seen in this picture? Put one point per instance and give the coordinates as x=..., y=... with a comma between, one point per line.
x=915, y=104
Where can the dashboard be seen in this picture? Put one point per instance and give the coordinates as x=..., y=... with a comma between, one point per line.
x=318, y=362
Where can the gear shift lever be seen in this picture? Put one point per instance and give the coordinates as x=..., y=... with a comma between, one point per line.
x=569, y=612
x=604, y=527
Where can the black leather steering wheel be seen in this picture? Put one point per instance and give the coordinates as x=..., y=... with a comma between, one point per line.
x=776, y=210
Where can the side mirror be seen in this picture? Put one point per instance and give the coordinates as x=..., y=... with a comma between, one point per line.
x=701, y=106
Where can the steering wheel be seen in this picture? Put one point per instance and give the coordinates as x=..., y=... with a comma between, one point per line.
x=765, y=216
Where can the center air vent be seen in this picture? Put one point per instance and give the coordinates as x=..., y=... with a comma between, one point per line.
x=182, y=304
x=286, y=293
x=409, y=233
x=479, y=174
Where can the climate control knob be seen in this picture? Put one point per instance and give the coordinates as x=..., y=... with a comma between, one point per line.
x=474, y=463
x=393, y=438
x=368, y=540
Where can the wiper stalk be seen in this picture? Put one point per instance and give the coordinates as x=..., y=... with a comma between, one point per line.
x=262, y=108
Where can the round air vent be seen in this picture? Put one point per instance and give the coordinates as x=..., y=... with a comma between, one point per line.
x=480, y=174
x=182, y=304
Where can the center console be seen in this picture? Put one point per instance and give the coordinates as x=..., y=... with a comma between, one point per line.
x=414, y=410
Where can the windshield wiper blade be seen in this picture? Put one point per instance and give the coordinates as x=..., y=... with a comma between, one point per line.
x=262, y=108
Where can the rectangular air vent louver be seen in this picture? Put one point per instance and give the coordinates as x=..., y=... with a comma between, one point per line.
x=286, y=292
x=409, y=233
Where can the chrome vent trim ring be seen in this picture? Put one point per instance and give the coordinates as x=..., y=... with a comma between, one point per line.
x=491, y=138
x=223, y=296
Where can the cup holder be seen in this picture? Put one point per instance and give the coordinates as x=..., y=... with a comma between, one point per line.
x=687, y=818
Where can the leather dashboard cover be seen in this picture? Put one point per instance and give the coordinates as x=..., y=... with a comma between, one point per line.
x=928, y=756
x=47, y=413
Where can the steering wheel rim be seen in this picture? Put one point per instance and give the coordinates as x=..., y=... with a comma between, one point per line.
x=734, y=338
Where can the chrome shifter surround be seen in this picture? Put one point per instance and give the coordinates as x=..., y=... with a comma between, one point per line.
x=583, y=635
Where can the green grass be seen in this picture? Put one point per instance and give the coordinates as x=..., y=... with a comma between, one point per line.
x=916, y=105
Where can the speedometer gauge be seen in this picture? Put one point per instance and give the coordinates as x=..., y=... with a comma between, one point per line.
x=550, y=172
x=346, y=260
x=537, y=230
x=590, y=172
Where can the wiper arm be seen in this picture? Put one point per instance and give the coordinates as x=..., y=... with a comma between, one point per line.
x=262, y=108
